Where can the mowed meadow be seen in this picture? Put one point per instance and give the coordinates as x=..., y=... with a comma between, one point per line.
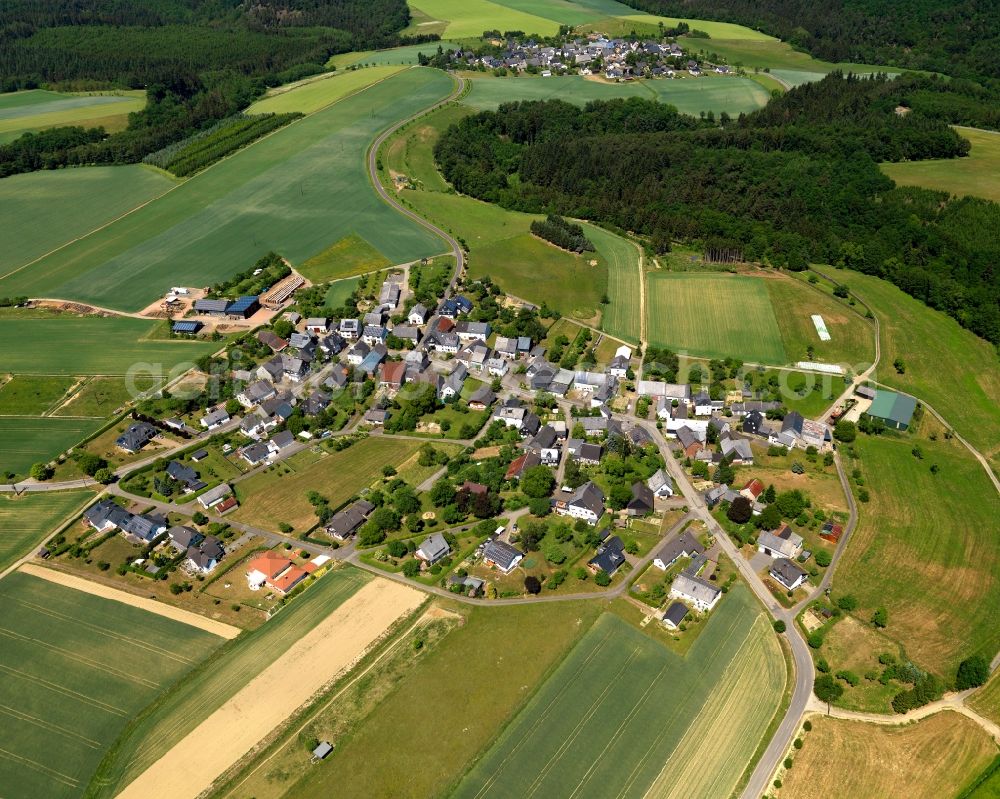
x=296, y=192
x=624, y=716
x=76, y=669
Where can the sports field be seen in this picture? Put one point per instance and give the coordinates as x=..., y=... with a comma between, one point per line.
x=77, y=669
x=294, y=192
x=946, y=365
x=624, y=716
x=933, y=757
x=713, y=315
x=26, y=440
x=852, y=337
x=689, y=95
x=40, y=211
x=38, y=109
x=216, y=681
x=27, y=520
x=623, y=315
x=273, y=496
x=977, y=174
x=926, y=549
x=312, y=94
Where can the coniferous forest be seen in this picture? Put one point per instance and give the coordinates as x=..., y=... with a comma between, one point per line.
x=794, y=183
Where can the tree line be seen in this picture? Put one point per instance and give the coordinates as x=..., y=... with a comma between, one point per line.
x=562, y=233
x=794, y=183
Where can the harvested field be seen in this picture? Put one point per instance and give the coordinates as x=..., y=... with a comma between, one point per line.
x=226, y=631
x=843, y=759
x=191, y=766
x=76, y=669
x=713, y=315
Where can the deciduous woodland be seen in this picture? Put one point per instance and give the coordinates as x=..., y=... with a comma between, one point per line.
x=794, y=183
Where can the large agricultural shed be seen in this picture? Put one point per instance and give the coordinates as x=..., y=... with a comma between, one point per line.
x=896, y=410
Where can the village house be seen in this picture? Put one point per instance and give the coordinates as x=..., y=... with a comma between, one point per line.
x=642, y=500
x=674, y=615
x=661, y=484
x=700, y=593
x=346, y=522
x=215, y=418
x=789, y=574
x=781, y=543
x=136, y=436
x=609, y=557
x=502, y=555
x=432, y=549
x=586, y=503
x=276, y=572
x=214, y=496
x=684, y=545
x=106, y=515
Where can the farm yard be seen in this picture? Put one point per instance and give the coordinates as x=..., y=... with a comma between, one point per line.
x=621, y=704
x=973, y=175
x=693, y=96
x=38, y=109
x=29, y=519
x=623, y=315
x=842, y=759
x=88, y=666
x=308, y=181
x=713, y=315
x=188, y=703
x=925, y=549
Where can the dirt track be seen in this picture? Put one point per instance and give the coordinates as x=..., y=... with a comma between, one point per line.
x=177, y=614
x=235, y=728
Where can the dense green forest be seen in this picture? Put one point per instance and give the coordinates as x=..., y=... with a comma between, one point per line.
x=794, y=183
x=956, y=37
x=199, y=60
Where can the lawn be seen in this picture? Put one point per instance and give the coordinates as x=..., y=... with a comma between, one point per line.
x=976, y=174
x=27, y=520
x=986, y=701
x=733, y=95
x=77, y=668
x=852, y=337
x=926, y=549
x=294, y=192
x=39, y=109
x=340, y=290
x=468, y=687
x=274, y=496
x=32, y=395
x=469, y=18
x=843, y=759
x=312, y=94
x=946, y=365
x=623, y=315
x=26, y=440
x=181, y=709
x=623, y=715
x=348, y=257
x=713, y=315
x=41, y=211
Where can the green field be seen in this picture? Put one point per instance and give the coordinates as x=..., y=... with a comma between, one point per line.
x=26, y=440
x=348, y=257
x=100, y=397
x=623, y=315
x=38, y=109
x=41, y=211
x=713, y=315
x=295, y=192
x=852, y=338
x=340, y=290
x=271, y=497
x=987, y=784
x=469, y=18
x=446, y=711
x=946, y=365
x=312, y=94
x=986, y=701
x=977, y=174
x=926, y=548
x=76, y=669
x=32, y=395
x=396, y=55
x=689, y=95
x=27, y=520
x=611, y=718
x=188, y=703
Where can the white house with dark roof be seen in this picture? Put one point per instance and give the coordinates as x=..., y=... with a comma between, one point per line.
x=586, y=503
x=701, y=594
x=502, y=555
x=432, y=549
x=787, y=573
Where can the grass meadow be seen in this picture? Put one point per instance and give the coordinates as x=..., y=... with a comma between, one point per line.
x=100, y=397
x=623, y=315
x=946, y=365
x=690, y=95
x=295, y=192
x=469, y=18
x=312, y=94
x=340, y=290
x=843, y=759
x=27, y=520
x=976, y=174
x=33, y=395
x=187, y=703
x=625, y=716
x=713, y=315
x=76, y=669
x=986, y=701
x=38, y=109
x=925, y=548
x=406, y=56
x=348, y=257
x=41, y=211
x=26, y=440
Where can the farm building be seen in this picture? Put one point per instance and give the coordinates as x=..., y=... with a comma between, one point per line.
x=896, y=410
x=187, y=328
x=244, y=307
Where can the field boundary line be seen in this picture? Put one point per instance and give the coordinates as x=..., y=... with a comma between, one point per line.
x=218, y=628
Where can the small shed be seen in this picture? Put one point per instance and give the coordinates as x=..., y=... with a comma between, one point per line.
x=321, y=751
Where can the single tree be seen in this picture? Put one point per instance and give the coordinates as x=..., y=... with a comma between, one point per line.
x=532, y=584
x=972, y=672
x=740, y=510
